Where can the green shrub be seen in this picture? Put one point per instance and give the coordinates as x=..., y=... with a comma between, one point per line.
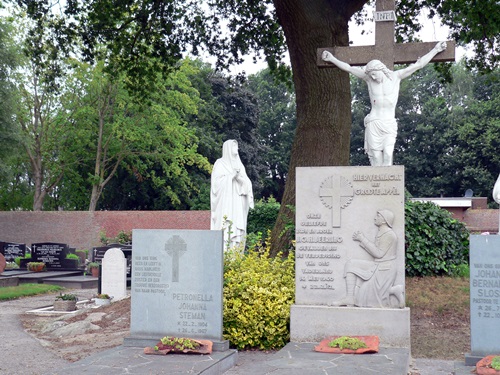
x=72, y=256
x=258, y=293
x=436, y=244
x=17, y=260
x=263, y=216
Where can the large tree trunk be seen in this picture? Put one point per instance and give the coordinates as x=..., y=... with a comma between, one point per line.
x=323, y=95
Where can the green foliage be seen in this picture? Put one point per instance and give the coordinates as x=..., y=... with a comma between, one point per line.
x=72, y=256
x=258, y=293
x=180, y=343
x=346, y=342
x=123, y=237
x=263, y=216
x=103, y=296
x=495, y=363
x=17, y=260
x=436, y=244
x=23, y=290
x=67, y=297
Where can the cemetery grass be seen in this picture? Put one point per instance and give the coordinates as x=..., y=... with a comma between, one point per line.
x=440, y=317
x=24, y=290
x=439, y=323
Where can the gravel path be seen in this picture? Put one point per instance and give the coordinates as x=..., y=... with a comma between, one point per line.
x=21, y=353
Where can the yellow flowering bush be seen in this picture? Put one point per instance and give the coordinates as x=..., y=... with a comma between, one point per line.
x=258, y=292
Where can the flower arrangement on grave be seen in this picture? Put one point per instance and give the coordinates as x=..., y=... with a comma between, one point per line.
x=102, y=299
x=489, y=365
x=346, y=342
x=182, y=345
x=36, y=266
x=93, y=268
x=348, y=345
x=65, y=302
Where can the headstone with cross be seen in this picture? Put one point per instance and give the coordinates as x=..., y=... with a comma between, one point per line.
x=336, y=193
x=385, y=48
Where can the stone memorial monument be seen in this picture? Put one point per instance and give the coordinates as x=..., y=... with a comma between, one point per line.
x=350, y=273
x=231, y=195
x=176, y=289
x=383, y=83
x=484, y=297
x=496, y=197
x=114, y=274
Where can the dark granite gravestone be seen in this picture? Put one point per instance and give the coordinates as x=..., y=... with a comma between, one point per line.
x=12, y=250
x=53, y=255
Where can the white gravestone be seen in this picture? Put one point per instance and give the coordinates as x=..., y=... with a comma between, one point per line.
x=350, y=269
x=484, y=297
x=177, y=278
x=114, y=274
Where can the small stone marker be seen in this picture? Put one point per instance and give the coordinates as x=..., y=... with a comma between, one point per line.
x=114, y=274
x=176, y=286
x=484, y=296
x=349, y=269
x=3, y=263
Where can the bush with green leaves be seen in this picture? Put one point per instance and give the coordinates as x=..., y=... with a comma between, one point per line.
x=263, y=216
x=258, y=293
x=436, y=244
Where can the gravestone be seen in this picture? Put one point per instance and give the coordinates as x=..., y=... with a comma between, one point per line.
x=114, y=274
x=176, y=286
x=53, y=255
x=98, y=254
x=350, y=274
x=484, y=297
x=12, y=250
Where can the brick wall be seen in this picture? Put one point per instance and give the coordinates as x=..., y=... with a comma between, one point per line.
x=481, y=220
x=80, y=229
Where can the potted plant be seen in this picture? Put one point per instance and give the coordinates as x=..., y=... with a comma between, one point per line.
x=102, y=299
x=65, y=302
x=93, y=268
x=489, y=365
x=36, y=266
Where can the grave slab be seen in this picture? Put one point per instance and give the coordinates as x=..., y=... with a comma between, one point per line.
x=176, y=286
x=349, y=266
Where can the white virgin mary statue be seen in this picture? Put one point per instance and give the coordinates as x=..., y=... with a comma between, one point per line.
x=230, y=195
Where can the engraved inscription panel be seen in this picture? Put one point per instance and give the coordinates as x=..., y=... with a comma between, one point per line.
x=334, y=203
x=177, y=284
x=484, y=293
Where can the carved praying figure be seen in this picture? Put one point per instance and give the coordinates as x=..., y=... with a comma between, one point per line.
x=231, y=195
x=383, y=86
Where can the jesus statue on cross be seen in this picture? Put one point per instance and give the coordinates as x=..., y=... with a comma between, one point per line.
x=383, y=86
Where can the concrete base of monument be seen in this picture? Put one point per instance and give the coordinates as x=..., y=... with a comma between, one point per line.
x=133, y=341
x=313, y=323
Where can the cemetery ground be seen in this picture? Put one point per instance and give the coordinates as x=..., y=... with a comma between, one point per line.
x=439, y=323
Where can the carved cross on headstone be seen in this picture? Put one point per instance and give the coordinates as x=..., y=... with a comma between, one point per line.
x=385, y=49
x=175, y=247
x=336, y=193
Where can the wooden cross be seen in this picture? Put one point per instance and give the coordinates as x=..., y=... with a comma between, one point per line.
x=385, y=49
x=175, y=247
x=340, y=194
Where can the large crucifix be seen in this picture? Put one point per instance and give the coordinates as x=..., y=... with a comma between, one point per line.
x=383, y=83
